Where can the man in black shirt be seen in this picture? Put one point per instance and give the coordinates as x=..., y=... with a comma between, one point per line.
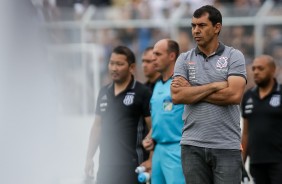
x=262, y=130
x=120, y=105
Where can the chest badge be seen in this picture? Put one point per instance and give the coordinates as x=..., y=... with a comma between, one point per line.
x=167, y=104
x=128, y=99
x=222, y=62
x=275, y=100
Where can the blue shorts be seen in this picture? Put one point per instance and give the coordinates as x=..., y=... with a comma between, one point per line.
x=166, y=164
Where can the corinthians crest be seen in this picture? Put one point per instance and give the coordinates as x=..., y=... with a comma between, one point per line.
x=275, y=100
x=128, y=99
x=222, y=62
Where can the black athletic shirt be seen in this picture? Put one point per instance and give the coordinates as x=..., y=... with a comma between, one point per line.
x=265, y=125
x=151, y=85
x=120, y=116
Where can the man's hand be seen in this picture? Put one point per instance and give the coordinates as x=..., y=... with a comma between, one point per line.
x=180, y=82
x=148, y=143
x=220, y=85
x=148, y=165
x=244, y=174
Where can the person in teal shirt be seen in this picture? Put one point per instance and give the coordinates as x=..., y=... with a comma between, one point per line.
x=164, y=137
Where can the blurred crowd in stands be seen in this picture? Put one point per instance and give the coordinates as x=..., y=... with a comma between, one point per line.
x=160, y=13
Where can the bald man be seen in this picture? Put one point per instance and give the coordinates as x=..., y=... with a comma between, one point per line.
x=262, y=117
x=164, y=137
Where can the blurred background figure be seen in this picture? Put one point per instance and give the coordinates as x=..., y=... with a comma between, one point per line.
x=149, y=68
x=262, y=116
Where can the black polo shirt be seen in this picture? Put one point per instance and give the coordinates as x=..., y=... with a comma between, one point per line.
x=265, y=125
x=151, y=85
x=120, y=116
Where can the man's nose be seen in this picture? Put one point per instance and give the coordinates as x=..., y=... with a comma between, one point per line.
x=196, y=29
x=255, y=71
x=114, y=67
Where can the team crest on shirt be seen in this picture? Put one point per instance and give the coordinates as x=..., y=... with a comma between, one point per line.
x=275, y=100
x=222, y=62
x=128, y=99
x=167, y=104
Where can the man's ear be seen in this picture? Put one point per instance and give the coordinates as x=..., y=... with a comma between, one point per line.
x=132, y=67
x=217, y=28
x=172, y=56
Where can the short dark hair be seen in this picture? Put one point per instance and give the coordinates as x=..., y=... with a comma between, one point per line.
x=148, y=49
x=214, y=14
x=123, y=50
x=172, y=46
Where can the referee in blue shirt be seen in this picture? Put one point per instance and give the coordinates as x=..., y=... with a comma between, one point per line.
x=166, y=119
